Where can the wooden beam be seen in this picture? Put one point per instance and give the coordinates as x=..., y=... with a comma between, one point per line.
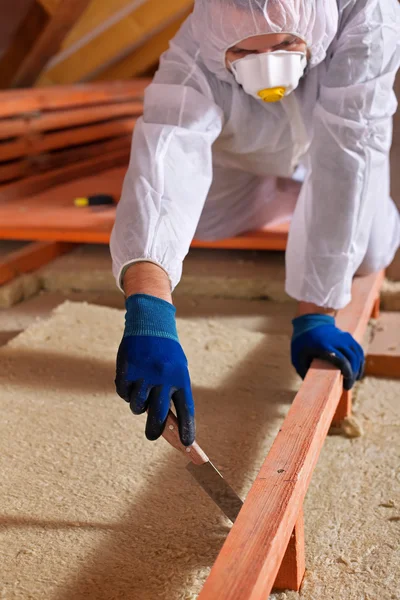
x=383, y=359
x=64, y=157
x=24, y=40
x=344, y=408
x=82, y=116
x=250, y=559
x=293, y=567
x=271, y=237
x=49, y=5
x=14, y=170
x=10, y=128
x=12, y=14
x=49, y=41
x=82, y=135
x=15, y=149
x=55, y=160
x=38, y=183
x=17, y=102
x=30, y=258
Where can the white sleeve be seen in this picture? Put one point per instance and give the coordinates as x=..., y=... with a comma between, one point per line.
x=348, y=173
x=168, y=178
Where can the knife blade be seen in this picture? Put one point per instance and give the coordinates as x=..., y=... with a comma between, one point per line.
x=204, y=472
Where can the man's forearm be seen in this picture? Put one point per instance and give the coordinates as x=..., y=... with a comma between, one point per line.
x=147, y=278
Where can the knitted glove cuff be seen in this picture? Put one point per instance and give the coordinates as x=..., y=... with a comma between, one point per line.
x=150, y=316
x=308, y=322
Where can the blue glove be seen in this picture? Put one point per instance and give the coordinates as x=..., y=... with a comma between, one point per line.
x=152, y=368
x=316, y=336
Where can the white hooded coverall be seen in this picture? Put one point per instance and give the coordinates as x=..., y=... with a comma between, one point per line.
x=205, y=155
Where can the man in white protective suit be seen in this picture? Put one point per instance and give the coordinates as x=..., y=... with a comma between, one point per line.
x=249, y=91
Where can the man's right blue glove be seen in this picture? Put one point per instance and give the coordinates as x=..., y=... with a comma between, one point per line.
x=152, y=368
x=316, y=336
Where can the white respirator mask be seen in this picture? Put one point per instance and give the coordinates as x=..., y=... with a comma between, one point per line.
x=270, y=76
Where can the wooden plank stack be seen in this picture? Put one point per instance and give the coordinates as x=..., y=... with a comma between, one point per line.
x=45, y=133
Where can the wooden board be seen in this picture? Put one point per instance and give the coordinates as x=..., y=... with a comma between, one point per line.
x=22, y=43
x=13, y=217
x=270, y=237
x=30, y=258
x=249, y=562
x=291, y=572
x=50, y=215
x=17, y=102
x=383, y=359
x=48, y=41
x=82, y=116
x=33, y=142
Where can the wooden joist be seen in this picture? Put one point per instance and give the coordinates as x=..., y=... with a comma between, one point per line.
x=24, y=40
x=30, y=258
x=48, y=41
x=81, y=135
x=20, y=102
x=38, y=183
x=48, y=126
x=49, y=161
x=248, y=564
x=271, y=237
x=83, y=116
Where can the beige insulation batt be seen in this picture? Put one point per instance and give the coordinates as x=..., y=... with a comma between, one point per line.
x=220, y=274
x=19, y=289
x=90, y=509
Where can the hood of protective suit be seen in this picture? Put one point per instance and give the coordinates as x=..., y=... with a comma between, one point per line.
x=220, y=24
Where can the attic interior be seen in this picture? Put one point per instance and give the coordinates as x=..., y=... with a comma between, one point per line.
x=291, y=489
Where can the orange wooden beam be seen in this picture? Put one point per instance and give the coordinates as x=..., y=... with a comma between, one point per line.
x=24, y=39
x=48, y=42
x=248, y=564
x=38, y=183
x=82, y=116
x=82, y=135
x=16, y=102
x=383, y=359
x=344, y=408
x=11, y=128
x=272, y=237
x=291, y=573
x=30, y=258
x=13, y=170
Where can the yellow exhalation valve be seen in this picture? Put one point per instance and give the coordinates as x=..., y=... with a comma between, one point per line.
x=272, y=94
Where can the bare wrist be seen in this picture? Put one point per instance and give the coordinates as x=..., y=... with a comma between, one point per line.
x=308, y=308
x=147, y=278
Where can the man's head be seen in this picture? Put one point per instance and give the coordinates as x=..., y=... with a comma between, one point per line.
x=226, y=27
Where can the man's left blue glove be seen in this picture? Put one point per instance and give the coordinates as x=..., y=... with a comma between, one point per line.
x=316, y=336
x=152, y=368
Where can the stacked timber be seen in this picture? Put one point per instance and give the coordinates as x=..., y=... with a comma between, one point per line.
x=52, y=135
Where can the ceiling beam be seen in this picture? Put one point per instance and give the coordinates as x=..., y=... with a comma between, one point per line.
x=23, y=41
x=49, y=41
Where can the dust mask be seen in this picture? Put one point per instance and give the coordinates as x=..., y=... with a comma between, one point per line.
x=270, y=76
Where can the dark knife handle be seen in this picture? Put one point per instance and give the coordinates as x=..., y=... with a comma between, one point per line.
x=171, y=433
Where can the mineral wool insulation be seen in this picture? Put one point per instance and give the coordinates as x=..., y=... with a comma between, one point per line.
x=90, y=509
